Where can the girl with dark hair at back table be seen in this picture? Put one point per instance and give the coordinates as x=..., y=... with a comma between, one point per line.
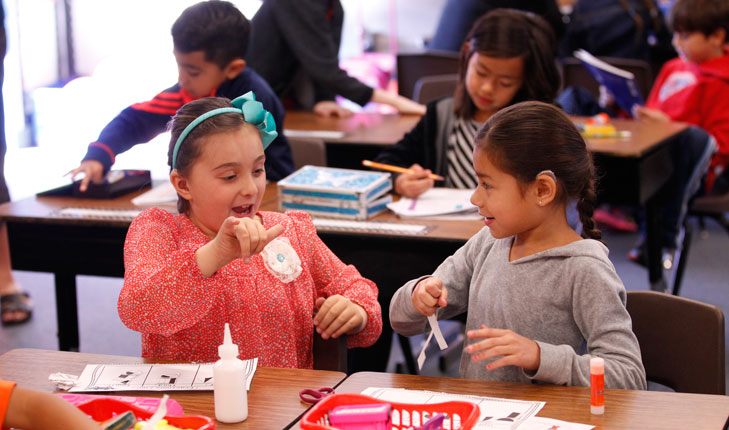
x=507, y=57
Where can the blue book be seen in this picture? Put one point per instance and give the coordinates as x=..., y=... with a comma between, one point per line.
x=620, y=83
x=338, y=193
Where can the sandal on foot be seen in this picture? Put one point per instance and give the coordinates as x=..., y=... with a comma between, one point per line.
x=15, y=302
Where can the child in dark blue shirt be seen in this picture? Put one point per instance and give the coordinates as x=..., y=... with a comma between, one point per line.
x=210, y=41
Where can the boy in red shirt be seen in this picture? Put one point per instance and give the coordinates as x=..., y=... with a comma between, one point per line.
x=693, y=88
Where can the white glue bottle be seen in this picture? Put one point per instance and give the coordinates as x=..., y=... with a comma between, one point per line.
x=229, y=383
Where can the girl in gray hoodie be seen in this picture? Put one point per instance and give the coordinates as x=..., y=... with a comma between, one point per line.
x=541, y=299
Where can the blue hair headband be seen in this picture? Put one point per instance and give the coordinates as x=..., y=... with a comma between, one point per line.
x=253, y=113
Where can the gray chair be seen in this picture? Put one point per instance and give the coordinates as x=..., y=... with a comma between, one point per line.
x=308, y=151
x=413, y=66
x=575, y=74
x=429, y=88
x=710, y=206
x=681, y=341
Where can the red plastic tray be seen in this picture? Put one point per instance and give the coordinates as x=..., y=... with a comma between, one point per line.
x=404, y=415
x=104, y=409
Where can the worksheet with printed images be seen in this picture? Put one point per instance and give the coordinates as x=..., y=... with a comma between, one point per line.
x=152, y=377
x=496, y=413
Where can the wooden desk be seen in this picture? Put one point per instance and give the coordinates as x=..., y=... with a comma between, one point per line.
x=273, y=400
x=360, y=128
x=624, y=409
x=41, y=240
x=365, y=134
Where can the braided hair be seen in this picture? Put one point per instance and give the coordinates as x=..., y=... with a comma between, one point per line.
x=530, y=137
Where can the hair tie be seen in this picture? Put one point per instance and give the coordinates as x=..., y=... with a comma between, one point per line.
x=253, y=113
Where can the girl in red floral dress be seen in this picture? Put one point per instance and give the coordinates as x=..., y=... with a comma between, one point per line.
x=221, y=260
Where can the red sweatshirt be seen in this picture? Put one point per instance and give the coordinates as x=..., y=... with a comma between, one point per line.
x=697, y=94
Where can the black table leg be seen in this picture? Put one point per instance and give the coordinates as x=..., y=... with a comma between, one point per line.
x=67, y=311
x=653, y=248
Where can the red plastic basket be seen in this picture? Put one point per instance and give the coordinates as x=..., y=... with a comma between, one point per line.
x=104, y=409
x=462, y=415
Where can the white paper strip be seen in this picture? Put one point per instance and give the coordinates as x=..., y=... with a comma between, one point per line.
x=434, y=330
x=421, y=356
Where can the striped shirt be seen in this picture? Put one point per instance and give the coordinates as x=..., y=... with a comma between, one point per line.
x=460, y=154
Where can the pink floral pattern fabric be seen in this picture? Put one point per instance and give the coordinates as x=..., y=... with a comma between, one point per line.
x=181, y=313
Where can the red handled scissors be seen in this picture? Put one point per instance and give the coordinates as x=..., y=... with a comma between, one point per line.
x=314, y=396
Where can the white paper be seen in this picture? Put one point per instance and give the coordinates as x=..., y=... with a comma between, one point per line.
x=421, y=356
x=435, y=329
x=161, y=194
x=98, y=213
x=158, y=414
x=541, y=423
x=152, y=377
x=314, y=134
x=376, y=226
x=63, y=381
x=496, y=413
x=435, y=202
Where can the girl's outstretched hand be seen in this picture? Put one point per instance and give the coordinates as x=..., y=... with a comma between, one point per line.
x=337, y=315
x=415, y=184
x=428, y=295
x=237, y=238
x=252, y=236
x=514, y=350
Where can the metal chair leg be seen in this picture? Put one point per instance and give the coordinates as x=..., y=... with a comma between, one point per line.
x=683, y=258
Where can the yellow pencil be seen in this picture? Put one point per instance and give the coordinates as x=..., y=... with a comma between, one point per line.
x=397, y=169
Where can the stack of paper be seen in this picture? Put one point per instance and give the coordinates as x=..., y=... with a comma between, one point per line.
x=336, y=193
x=437, y=203
x=163, y=196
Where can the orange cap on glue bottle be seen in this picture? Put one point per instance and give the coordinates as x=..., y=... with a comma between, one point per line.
x=597, y=386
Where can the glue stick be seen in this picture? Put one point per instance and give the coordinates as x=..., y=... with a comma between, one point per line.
x=597, y=386
x=229, y=383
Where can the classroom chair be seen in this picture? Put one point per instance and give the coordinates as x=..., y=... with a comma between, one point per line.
x=575, y=74
x=429, y=88
x=710, y=206
x=681, y=341
x=330, y=354
x=413, y=66
x=306, y=151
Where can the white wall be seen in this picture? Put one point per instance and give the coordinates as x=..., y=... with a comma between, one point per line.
x=124, y=50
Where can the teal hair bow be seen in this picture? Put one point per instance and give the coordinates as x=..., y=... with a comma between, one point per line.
x=253, y=113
